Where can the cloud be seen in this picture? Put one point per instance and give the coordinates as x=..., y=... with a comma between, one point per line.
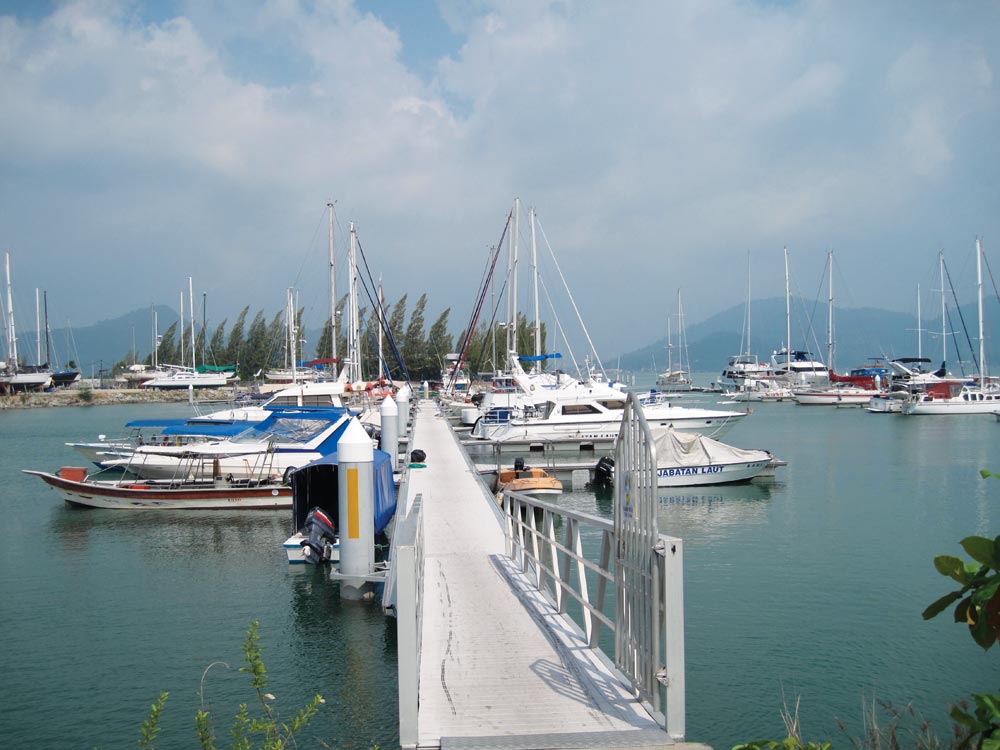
x=659, y=142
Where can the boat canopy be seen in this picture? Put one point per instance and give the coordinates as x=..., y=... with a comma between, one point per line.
x=541, y=357
x=674, y=448
x=202, y=427
x=214, y=368
x=315, y=485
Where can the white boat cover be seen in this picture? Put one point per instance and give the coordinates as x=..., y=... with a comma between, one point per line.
x=676, y=448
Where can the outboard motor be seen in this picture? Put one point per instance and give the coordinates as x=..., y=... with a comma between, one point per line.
x=604, y=472
x=321, y=537
x=519, y=463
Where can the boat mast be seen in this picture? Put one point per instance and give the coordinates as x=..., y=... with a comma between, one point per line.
x=748, y=303
x=38, y=328
x=512, y=330
x=683, y=358
x=944, y=319
x=48, y=347
x=979, y=290
x=11, y=336
x=333, y=292
x=829, y=316
x=153, y=342
x=381, y=322
x=354, y=374
x=290, y=333
x=788, y=321
x=191, y=298
x=534, y=272
x=182, y=332
x=920, y=336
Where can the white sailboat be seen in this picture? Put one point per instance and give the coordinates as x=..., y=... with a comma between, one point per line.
x=796, y=368
x=14, y=376
x=952, y=396
x=676, y=379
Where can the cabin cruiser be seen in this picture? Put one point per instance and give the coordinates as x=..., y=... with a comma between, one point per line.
x=797, y=368
x=286, y=440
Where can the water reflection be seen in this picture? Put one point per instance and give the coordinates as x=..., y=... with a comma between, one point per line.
x=183, y=534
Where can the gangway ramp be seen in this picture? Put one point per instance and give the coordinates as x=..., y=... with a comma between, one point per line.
x=499, y=667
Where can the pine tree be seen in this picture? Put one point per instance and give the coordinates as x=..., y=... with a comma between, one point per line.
x=414, y=347
x=234, y=349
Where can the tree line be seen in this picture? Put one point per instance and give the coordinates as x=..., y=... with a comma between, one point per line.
x=260, y=345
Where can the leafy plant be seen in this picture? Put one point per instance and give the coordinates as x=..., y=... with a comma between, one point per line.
x=979, y=598
x=273, y=734
x=984, y=723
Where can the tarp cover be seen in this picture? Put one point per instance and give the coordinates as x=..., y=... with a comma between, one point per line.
x=385, y=489
x=541, y=357
x=675, y=448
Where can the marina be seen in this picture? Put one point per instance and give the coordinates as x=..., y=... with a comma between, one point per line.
x=779, y=570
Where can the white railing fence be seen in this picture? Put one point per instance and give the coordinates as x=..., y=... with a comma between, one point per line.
x=408, y=564
x=645, y=570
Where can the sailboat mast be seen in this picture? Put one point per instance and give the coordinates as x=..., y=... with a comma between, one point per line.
x=48, y=347
x=333, y=291
x=788, y=319
x=191, y=298
x=11, y=336
x=944, y=319
x=38, y=327
x=181, y=337
x=748, y=303
x=534, y=273
x=152, y=332
x=513, y=281
x=829, y=315
x=354, y=374
x=381, y=322
x=979, y=291
x=920, y=333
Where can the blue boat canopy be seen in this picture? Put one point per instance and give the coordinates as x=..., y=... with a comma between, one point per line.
x=541, y=357
x=315, y=485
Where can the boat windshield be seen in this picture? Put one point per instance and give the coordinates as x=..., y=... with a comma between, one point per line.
x=283, y=430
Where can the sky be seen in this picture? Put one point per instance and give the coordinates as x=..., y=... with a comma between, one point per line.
x=660, y=143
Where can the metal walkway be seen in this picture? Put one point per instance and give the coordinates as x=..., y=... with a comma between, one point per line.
x=498, y=666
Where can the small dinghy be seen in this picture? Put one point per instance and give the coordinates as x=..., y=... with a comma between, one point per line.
x=527, y=480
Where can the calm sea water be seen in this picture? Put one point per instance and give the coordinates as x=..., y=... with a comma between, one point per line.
x=808, y=586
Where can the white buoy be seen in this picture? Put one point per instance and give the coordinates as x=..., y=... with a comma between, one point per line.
x=426, y=389
x=389, y=441
x=356, y=491
x=403, y=404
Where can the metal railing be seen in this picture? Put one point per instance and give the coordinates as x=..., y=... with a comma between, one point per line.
x=408, y=567
x=645, y=570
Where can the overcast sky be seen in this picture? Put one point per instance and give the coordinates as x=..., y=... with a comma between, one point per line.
x=143, y=142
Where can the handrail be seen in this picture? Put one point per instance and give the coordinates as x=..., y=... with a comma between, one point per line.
x=644, y=568
x=407, y=571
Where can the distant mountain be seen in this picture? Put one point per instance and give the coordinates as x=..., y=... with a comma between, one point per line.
x=102, y=344
x=859, y=333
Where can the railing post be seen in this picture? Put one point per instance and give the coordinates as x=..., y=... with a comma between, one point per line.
x=673, y=627
x=408, y=588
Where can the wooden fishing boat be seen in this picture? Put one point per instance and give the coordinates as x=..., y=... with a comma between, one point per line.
x=126, y=493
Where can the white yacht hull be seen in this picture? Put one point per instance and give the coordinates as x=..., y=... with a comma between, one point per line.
x=692, y=476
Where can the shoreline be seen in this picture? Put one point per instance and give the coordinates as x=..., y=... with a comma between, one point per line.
x=108, y=397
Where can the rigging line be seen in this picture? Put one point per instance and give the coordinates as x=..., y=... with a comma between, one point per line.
x=491, y=328
x=572, y=301
x=561, y=331
x=993, y=281
x=483, y=289
x=383, y=319
x=958, y=309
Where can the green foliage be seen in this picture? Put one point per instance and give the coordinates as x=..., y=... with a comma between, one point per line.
x=151, y=726
x=789, y=743
x=86, y=395
x=978, y=599
x=982, y=726
x=272, y=733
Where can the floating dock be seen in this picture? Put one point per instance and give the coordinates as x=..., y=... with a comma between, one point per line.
x=499, y=666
